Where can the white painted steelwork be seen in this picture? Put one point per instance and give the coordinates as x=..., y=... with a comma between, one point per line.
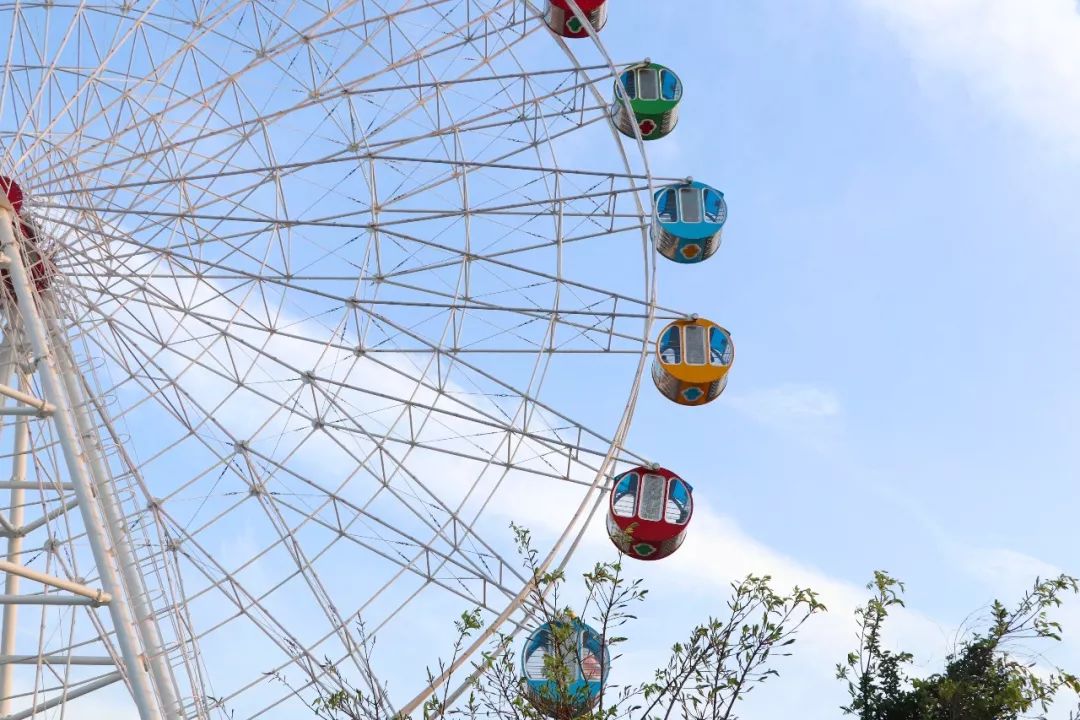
x=329, y=287
x=101, y=544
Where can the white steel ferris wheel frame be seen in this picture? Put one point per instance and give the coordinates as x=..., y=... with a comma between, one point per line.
x=123, y=592
x=41, y=349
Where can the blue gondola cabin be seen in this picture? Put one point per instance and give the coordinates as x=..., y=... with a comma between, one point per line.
x=688, y=220
x=565, y=665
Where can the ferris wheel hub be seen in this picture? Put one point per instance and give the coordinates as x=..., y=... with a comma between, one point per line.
x=39, y=264
x=11, y=194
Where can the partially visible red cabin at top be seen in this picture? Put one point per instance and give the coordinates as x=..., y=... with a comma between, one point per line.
x=12, y=192
x=39, y=267
x=561, y=19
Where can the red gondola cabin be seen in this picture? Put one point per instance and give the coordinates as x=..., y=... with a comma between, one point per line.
x=562, y=20
x=649, y=512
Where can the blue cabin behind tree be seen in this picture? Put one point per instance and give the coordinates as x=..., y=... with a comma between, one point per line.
x=582, y=654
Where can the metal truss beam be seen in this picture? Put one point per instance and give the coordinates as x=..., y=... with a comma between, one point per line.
x=127, y=634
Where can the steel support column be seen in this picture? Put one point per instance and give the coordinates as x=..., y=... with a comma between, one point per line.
x=127, y=635
x=143, y=610
x=14, y=543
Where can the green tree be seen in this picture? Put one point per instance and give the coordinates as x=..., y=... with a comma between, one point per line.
x=990, y=676
x=704, y=677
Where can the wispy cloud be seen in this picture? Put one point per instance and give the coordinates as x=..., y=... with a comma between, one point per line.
x=1021, y=56
x=807, y=414
x=1004, y=571
x=788, y=403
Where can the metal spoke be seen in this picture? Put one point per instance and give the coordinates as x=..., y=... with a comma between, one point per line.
x=321, y=286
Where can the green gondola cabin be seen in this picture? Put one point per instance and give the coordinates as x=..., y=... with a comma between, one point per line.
x=652, y=92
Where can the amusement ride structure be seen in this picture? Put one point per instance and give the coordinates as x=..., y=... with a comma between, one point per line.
x=297, y=303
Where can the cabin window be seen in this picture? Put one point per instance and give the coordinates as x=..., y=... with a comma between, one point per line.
x=677, y=510
x=670, y=347
x=534, y=664
x=715, y=211
x=571, y=653
x=541, y=646
x=592, y=652
x=695, y=345
x=720, y=350
x=648, y=84
x=690, y=203
x=652, y=498
x=560, y=640
x=629, y=81
x=666, y=208
x=592, y=666
x=625, y=496
x=669, y=85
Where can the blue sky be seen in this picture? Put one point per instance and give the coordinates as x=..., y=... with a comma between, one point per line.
x=899, y=274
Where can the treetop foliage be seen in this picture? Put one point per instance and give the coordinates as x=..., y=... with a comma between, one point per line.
x=990, y=676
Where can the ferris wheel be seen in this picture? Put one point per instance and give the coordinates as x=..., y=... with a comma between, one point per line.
x=301, y=302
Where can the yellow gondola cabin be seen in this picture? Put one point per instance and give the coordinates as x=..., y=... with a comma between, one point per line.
x=692, y=361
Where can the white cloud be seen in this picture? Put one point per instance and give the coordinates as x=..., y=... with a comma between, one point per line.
x=695, y=583
x=268, y=423
x=787, y=403
x=805, y=414
x=717, y=552
x=1006, y=572
x=1022, y=56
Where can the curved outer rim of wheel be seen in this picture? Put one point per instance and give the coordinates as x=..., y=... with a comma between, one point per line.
x=563, y=549
x=593, y=499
